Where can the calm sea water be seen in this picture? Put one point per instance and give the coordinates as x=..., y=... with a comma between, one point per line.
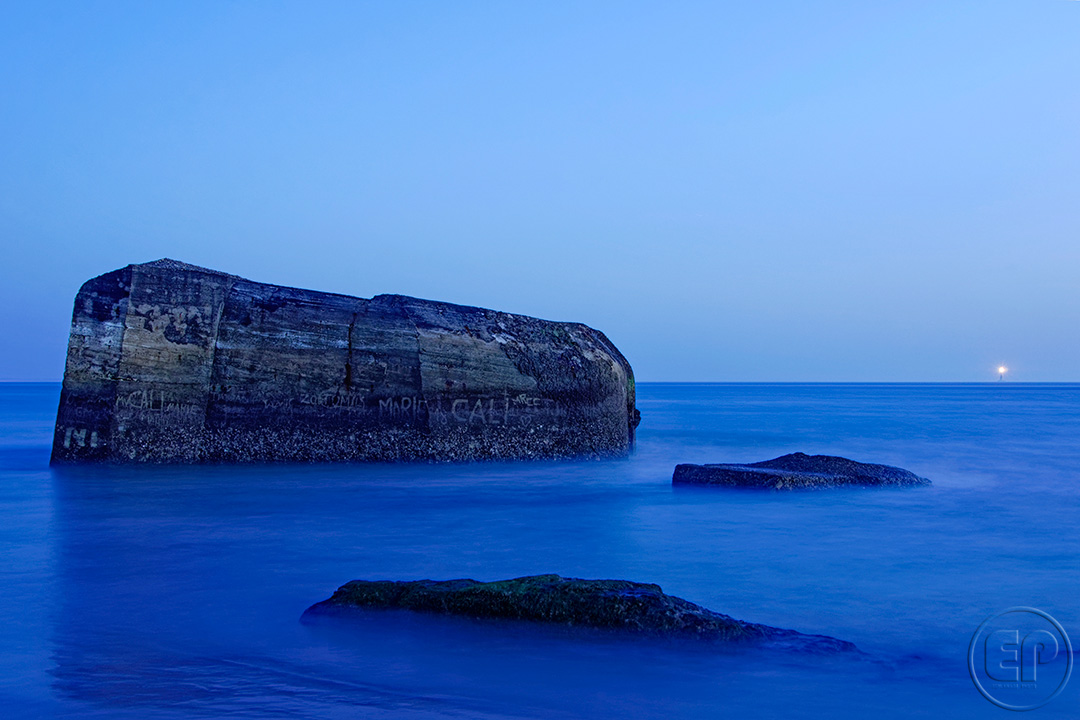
x=176, y=592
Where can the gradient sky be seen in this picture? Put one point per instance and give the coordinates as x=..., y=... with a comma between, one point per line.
x=731, y=191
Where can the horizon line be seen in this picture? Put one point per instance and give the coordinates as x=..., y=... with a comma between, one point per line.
x=755, y=382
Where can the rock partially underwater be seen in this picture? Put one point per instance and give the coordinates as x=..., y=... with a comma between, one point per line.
x=168, y=362
x=617, y=605
x=797, y=471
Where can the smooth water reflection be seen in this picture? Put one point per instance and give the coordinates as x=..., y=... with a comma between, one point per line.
x=176, y=592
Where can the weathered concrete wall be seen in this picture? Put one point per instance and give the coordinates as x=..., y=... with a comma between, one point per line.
x=169, y=362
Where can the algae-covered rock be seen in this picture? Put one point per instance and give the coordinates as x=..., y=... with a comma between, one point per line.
x=621, y=605
x=796, y=471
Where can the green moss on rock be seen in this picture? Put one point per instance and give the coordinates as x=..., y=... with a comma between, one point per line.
x=638, y=608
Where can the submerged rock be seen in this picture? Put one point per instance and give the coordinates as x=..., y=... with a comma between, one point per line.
x=638, y=608
x=796, y=471
x=168, y=362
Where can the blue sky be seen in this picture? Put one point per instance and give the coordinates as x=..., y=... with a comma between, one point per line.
x=732, y=191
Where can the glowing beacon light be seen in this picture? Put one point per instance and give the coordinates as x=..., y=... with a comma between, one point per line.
x=1001, y=372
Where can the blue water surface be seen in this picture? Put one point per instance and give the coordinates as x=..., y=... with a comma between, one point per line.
x=168, y=592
